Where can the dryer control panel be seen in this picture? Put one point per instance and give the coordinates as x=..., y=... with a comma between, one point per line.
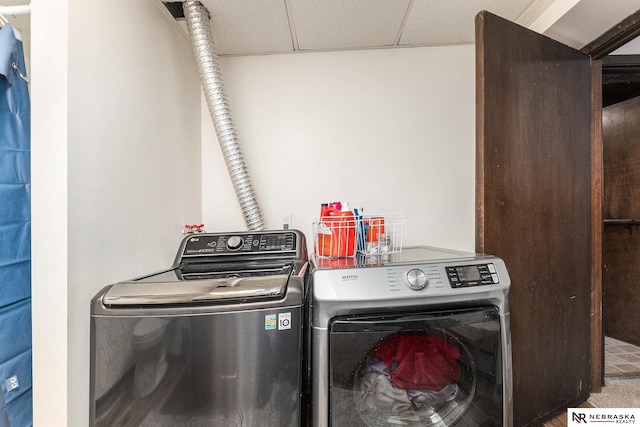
x=472, y=275
x=415, y=273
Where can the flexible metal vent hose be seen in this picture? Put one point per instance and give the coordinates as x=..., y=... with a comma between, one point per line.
x=199, y=26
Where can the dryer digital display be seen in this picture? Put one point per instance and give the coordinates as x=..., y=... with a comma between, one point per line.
x=472, y=275
x=468, y=273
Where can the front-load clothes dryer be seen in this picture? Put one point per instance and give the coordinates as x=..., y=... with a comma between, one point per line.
x=418, y=338
x=215, y=340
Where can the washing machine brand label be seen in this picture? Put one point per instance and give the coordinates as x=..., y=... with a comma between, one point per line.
x=270, y=322
x=349, y=277
x=284, y=321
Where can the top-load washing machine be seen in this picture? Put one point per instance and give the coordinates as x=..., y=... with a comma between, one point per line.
x=417, y=338
x=216, y=339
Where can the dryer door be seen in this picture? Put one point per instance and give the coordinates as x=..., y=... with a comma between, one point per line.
x=440, y=368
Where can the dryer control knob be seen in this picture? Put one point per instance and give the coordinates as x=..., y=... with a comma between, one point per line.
x=234, y=242
x=416, y=279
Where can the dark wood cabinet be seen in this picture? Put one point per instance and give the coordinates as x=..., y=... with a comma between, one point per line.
x=534, y=206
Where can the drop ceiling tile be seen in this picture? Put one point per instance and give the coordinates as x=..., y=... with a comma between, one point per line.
x=249, y=26
x=433, y=22
x=583, y=23
x=352, y=24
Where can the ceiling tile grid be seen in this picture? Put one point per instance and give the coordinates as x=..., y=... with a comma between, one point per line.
x=436, y=22
x=279, y=26
x=249, y=26
x=353, y=24
x=255, y=27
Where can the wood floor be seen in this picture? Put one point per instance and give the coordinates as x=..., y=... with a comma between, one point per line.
x=561, y=420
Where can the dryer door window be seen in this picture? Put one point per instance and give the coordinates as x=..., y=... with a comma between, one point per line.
x=422, y=369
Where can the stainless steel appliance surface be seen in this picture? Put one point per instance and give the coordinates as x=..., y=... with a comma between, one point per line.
x=417, y=338
x=216, y=339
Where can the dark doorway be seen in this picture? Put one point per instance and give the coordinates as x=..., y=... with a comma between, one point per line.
x=621, y=213
x=620, y=78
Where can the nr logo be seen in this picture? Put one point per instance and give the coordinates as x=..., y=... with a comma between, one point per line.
x=579, y=418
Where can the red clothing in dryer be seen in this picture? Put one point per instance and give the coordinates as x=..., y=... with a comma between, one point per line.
x=418, y=361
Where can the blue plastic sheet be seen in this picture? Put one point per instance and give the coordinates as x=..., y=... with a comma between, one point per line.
x=17, y=388
x=16, y=402
x=4, y=418
x=15, y=330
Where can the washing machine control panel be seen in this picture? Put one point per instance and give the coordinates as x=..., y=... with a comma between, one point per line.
x=472, y=275
x=239, y=243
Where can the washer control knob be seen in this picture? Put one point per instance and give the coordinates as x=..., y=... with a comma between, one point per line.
x=234, y=243
x=416, y=279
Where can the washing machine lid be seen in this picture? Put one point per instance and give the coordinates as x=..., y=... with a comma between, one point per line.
x=219, y=268
x=158, y=290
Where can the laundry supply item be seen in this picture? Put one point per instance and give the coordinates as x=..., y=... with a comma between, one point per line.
x=348, y=230
x=335, y=231
x=418, y=361
x=375, y=228
x=323, y=233
x=342, y=232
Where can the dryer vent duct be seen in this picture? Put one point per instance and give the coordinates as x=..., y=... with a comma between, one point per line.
x=199, y=27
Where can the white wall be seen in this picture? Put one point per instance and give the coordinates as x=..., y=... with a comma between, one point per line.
x=388, y=130
x=116, y=172
x=117, y=168
x=49, y=210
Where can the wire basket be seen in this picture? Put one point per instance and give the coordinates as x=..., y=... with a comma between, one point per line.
x=381, y=234
x=343, y=236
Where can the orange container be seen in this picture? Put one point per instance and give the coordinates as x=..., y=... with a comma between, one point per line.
x=375, y=229
x=325, y=237
x=336, y=233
